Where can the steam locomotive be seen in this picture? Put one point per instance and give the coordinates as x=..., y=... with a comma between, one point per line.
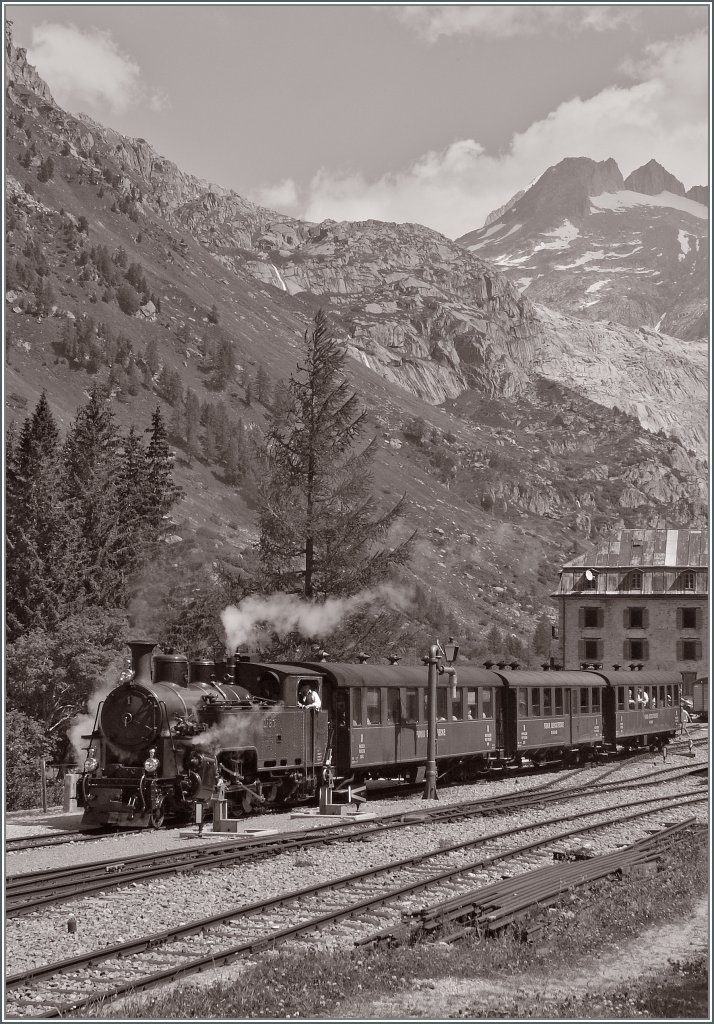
x=173, y=733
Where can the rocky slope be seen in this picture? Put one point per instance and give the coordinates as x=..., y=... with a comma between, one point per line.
x=511, y=474
x=591, y=244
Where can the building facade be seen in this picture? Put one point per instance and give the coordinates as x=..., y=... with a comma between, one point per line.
x=640, y=599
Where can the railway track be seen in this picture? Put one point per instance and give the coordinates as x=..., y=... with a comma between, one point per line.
x=360, y=900
x=32, y=891
x=60, y=839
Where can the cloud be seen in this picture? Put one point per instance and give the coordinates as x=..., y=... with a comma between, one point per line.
x=663, y=115
x=86, y=68
x=282, y=196
x=432, y=22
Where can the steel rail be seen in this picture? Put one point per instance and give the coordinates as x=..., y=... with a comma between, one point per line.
x=490, y=908
x=254, y=945
x=33, y=890
x=60, y=839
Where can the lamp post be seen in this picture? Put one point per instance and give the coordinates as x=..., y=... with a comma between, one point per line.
x=436, y=652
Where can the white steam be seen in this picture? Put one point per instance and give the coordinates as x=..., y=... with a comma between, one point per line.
x=83, y=724
x=286, y=613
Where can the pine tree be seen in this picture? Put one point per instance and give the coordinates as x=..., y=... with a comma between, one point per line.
x=494, y=640
x=41, y=538
x=91, y=461
x=262, y=385
x=320, y=530
x=192, y=425
x=162, y=492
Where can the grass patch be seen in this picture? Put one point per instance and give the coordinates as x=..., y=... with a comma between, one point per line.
x=310, y=983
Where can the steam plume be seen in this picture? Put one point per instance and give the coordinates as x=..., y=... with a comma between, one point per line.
x=285, y=613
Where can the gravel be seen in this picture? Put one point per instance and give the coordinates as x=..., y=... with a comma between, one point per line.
x=126, y=913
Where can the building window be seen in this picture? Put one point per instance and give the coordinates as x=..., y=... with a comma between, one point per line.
x=688, y=618
x=689, y=650
x=591, y=618
x=635, y=650
x=592, y=650
x=634, y=580
x=687, y=581
x=635, y=618
x=588, y=582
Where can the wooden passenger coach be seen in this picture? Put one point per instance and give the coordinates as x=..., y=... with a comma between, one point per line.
x=641, y=707
x=549, y=712
x=380, y=716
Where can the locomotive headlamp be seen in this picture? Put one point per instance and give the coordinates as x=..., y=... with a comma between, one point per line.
x=151, y=764
x=91, y=764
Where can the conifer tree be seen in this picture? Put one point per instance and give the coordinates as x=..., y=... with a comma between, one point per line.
x=91, y=462
x=162, y=492
x=41, y=539
x=320, y=530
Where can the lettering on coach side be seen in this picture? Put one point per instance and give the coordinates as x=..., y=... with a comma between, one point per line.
x=553, y=725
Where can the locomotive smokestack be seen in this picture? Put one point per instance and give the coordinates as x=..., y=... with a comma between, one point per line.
x=141, y=651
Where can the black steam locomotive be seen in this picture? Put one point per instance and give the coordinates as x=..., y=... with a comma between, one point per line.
x=174, y=733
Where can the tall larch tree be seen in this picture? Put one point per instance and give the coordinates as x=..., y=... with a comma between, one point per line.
x=321, y=533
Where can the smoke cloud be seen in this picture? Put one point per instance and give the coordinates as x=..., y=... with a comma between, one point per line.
x=83, y=724
x=257, y=615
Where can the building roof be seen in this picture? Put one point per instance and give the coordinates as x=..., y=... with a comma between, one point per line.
x=671, y=548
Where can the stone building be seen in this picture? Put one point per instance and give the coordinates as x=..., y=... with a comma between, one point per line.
x=640, y=599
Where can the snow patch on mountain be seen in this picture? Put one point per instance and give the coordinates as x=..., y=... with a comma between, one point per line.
x=624, y=200
x=562, y=237
x=598, y=254
x=596, y=286
x=683, y=239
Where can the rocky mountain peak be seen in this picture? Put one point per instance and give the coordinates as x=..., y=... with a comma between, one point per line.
x=20, y=74
x=651, y=179
x=699, y=194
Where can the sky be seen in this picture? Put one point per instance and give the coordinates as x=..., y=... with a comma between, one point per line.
x=435, y=114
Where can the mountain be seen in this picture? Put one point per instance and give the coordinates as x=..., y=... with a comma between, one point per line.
x=588, y=243
x=125, y=272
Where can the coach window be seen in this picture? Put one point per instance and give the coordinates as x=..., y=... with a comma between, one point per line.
x=522, y=702
x=411, y=704
x=558, y=693
x=393, y=706
x=535, y=702
x=584, y=702
x=472, y=702
x=374, y=714
x=356, y=707
x=457, y=713
x=595, y=700
x=662, y=697
x=486, y=702
x=442, y=695
x=669, y=696
x=621, y=698
x=677, y=694
x=547, y=701
x=653, y=697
